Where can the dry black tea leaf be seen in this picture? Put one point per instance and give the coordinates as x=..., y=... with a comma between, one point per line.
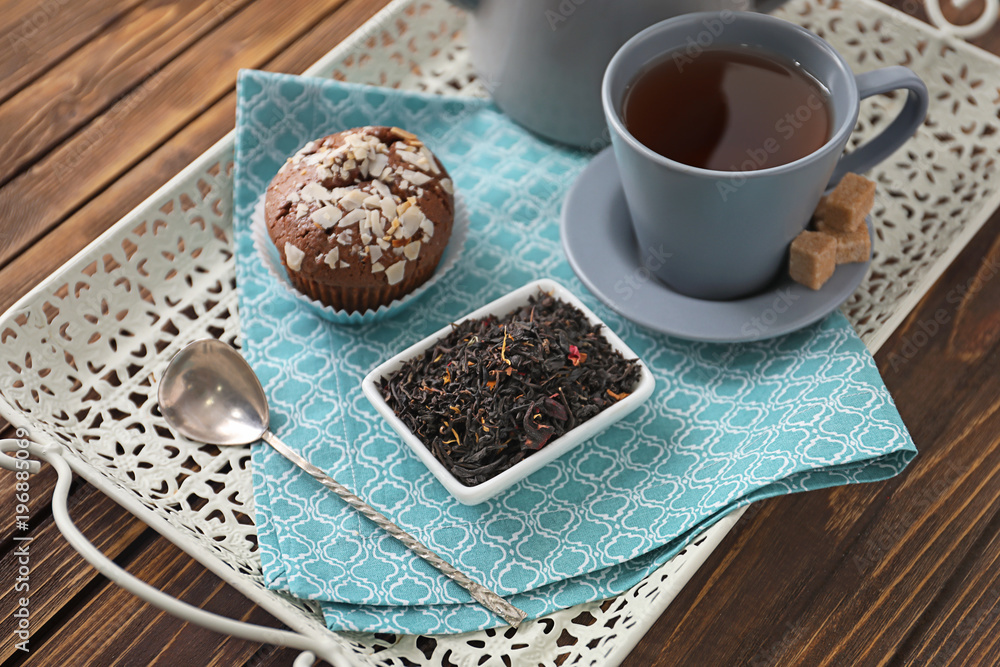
x=495, y=390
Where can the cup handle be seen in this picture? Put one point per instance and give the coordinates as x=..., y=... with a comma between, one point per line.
x=899, y=131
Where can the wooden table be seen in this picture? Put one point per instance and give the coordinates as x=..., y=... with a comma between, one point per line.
x=130, y=91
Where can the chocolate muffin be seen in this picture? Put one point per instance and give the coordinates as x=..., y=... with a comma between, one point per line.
x=360, y=217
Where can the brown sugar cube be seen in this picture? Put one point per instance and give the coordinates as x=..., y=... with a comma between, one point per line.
x=844, y=209
x=854, y=246
x=813, y=258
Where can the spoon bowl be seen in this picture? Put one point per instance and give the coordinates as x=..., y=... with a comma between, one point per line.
x=210, y=394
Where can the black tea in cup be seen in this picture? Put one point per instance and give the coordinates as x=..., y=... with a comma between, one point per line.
x=728, y=109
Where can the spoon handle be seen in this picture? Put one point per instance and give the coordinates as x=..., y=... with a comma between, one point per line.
x=480, y=593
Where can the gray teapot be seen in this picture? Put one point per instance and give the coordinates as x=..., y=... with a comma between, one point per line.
x=543, y=60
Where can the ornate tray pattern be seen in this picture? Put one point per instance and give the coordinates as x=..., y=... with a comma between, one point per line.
x=81, y=352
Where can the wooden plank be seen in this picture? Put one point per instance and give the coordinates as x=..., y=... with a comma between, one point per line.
x=862, y=574
x=962, y=621
x=17, y=11
x=35, y=35
x=169, y=99
x=61, y=244
x=70, y=95
x=56, y=571
x=136, y=633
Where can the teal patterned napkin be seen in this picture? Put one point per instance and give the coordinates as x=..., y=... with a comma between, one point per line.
x=727, y=424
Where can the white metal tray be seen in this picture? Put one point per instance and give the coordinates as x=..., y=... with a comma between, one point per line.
x=82, y=351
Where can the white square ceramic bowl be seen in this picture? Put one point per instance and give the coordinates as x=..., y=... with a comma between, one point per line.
x=472, y=495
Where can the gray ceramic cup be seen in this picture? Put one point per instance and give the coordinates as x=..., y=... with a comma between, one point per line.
x=725, y=234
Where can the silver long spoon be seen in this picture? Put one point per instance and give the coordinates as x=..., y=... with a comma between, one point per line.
x=209, y=393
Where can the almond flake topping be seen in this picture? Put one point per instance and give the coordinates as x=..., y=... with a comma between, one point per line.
x=377, y=266
x=301, y=210
x=388, y=208
x=403, y=134
x=426, y=152
x=410, y=156
x=416, y=177
x=379, y=163
x=312, y=191
x=394, y=273
x=333, y=257
x=327, y=216
x=411, y=250
x=293, y=256
x=411, y=221
x=355, y=216
x=353, y=199
x=375, y=253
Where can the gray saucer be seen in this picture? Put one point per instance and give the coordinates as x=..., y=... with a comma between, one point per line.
x=598, y=240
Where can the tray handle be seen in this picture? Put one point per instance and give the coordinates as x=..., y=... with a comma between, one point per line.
x=311, y=647
x=986, y=20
